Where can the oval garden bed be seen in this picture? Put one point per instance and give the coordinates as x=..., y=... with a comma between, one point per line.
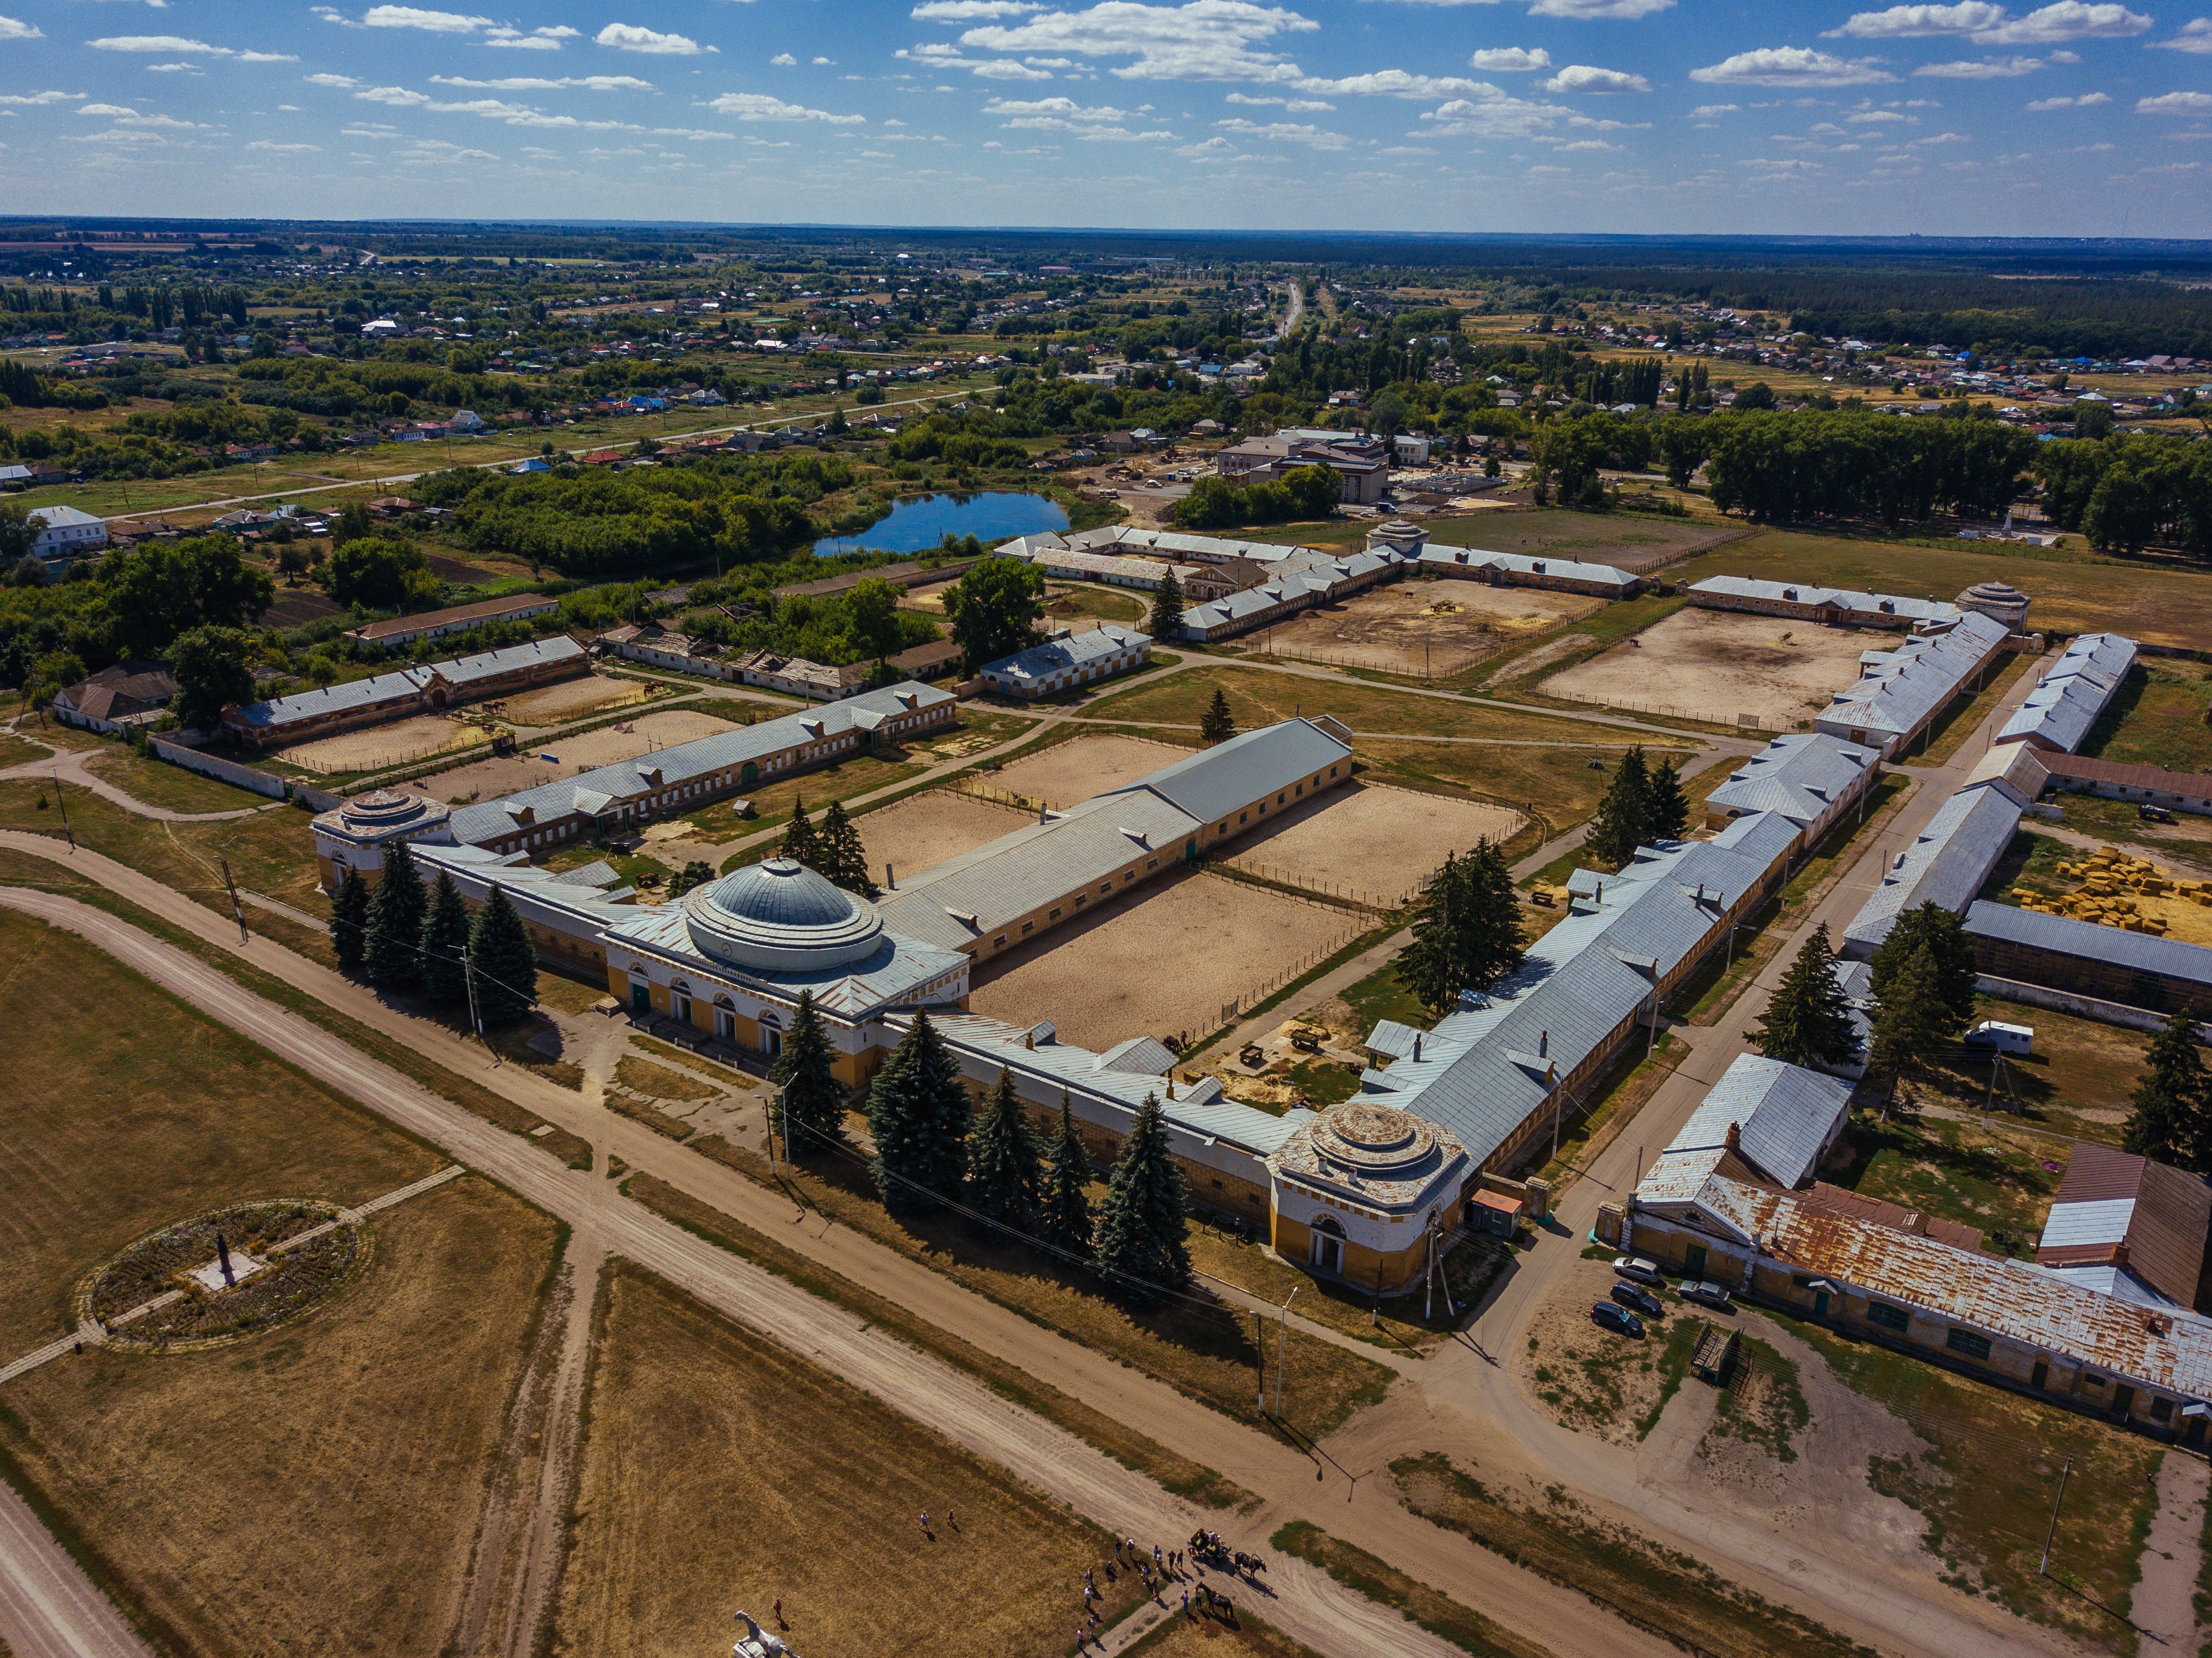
x=280, y=1272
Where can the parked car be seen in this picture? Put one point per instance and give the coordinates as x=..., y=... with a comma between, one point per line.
x=1706, y=1292
x=1637, y=1268
x=1617, y=1318
x=2151, y=814
x=1636, y=1296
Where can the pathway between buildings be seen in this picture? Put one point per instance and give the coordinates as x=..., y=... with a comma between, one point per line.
x=2164, y=1608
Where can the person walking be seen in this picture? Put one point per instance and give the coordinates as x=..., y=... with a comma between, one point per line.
x=780, y=1624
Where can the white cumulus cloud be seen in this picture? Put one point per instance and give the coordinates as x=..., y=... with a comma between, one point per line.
x=2196, y=36
x=1202, y=41
x=1590, y=10
x=2176, y=103
x=2086, y=100
x=1909, y=22
x=1981, y=69
x=1790, y=66
x=2069, y=19
x=1510, y=60
x=759, y=107
x=1585, y=77
x=630, y=37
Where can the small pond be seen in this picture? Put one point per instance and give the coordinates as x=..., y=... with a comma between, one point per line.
x=920, y=523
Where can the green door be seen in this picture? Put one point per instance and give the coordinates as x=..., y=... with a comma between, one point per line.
x=750, y=774
x=1694, y=1260
x=1821, y=1303
x=1190, y=851
x=641, y=998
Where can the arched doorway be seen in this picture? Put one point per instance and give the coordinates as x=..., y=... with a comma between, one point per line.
x=1328, y=1253
x=750, y=774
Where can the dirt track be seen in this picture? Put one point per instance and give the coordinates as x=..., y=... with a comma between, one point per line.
x=1071, y=773
x=923, y=830
x=579, y=752
x=1426, y=627
x=1372, y=841
x=1716, y=665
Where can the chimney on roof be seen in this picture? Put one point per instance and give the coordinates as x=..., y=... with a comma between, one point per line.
x=2120, y=1254
x=1734, y=1139
x=1417, y=1046
x=1543, y=1044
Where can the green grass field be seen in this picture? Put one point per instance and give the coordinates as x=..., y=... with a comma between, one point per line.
x=2158, y=719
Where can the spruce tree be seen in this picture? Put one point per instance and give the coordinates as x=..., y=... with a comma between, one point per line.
x=1066, y=1215
x=1808, y=1021
x=1141, y=1225
x=395, y=921
x=1215, y=724
x=1939, y=931
x=502, y=960
x=1667, y=817
x=813, y=1111
x=445, y=937
x=1002, y=1172
x=1912, y=1023
x=918, y=1116
x=844, y=859
x=798, y=843
x=349, y=920
x=1467, y=930
x=1167, y=606
x=2172, y=1122
x=1623, y=822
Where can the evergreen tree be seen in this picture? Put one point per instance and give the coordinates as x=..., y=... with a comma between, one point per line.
x=1808, y=1021
x=1143, y=1221
x=1668, y=815
x=1066, y=1215
x=1912, y=1023
x=1214, y=724
x=799, y=842
x=1167, y=606
x=1467, y=930
x=2172, y=1122
x=918, y=1116
x=1624, y=816
x=445, y=937
x=844, y=859
x=1938, y=930
x=813, y=1111
x=395, y=921
x=696, y=874
x=349, y=920
x=1003, y=1172
x=502, y=960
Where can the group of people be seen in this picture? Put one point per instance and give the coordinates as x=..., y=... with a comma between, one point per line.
x=1156, y=1571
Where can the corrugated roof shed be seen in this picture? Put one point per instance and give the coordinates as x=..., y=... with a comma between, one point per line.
x=1526, y=564
x=2143, y=952
x=1058, y=656
x=2017, y=769
x=1248, y=767
x=1903, y=687
x=1784, y=1116
x=1946, y=865
x=1876, y=607
x=1799, y=776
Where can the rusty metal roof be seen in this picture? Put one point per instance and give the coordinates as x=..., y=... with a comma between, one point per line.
x=2161, y=1235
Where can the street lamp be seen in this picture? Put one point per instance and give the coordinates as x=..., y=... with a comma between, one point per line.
x=1282, y=1341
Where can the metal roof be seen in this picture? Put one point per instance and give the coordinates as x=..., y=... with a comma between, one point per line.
x=1058, y=656
x=353, y=695
x=1784, y=1116
x=1801, y=775
x=487, y=665
x=591, y=791
x=1524, y=564
x=2019, y=770
x=1902, y=687
x=2059, y=712
x=1945, y=865
x=899, y=973
x=2141, y=952
x=1487, y=1068
x=2102, y=1222
x=1248, y=767
x=1884, y=607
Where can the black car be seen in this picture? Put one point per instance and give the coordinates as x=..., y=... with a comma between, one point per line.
x=1617, y=1318
x=1636, y=1296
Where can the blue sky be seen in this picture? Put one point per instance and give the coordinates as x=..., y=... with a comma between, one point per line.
x=2078, y=117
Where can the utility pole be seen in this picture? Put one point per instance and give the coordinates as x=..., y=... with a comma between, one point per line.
x=237, y=909
x=62, y=800
x=469, y=979
x=2043, y=1570
x=1282, y=1342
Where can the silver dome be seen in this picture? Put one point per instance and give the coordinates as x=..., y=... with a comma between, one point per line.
x=779, y=916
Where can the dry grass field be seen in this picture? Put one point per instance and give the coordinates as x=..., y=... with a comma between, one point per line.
x=371, y=748
x=721, y=1472
x=1259, y=697
x=1716, y=664
x=1424, y=627
x=572, y=699
x=1159, y=961
x=1067, y=773
x=924, y=829
x=127, y=1110
x=315, y=1488
x=1370, y=842
x=156, y=783
x=582, y=751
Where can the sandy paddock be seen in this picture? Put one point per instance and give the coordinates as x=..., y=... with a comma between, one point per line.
x=1442, y=627
x=1371, y=842
x=1070, y=772
x=549, y=705
x=1716, y=664
x=923, y=830
x=487, y=779
x=374, y=747
x=929, y=597
x=1159, y=961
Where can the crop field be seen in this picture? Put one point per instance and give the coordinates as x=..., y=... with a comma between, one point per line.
x=316, y=1487
x=924, y=829
x=624, y=740
x=2072, y=592
x=371, y=748
x=1160, y=961
x=1421, y=628
x=128, y=1110
x=1719, y=665
x=1069, y=773
x=719, y=1474
x=1370, y=842
x=572, y=699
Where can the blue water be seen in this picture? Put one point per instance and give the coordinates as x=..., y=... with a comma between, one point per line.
x=919, y=523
